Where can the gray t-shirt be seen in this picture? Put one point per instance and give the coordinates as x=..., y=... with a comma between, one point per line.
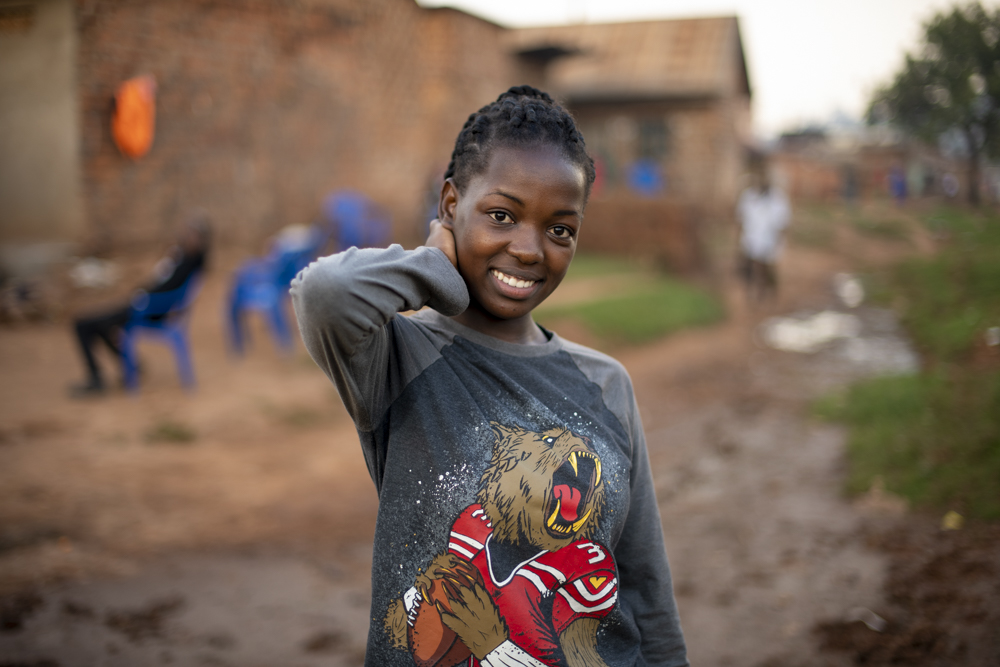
x=522, y=468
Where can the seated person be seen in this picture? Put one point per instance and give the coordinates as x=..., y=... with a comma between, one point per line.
x=183, y=260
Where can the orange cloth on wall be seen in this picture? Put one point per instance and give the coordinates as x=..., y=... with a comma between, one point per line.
x=134, y=120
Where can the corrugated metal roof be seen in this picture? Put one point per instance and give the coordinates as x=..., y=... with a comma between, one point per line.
x=643, y=59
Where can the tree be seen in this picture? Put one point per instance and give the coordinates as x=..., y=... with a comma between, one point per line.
x=952, y=86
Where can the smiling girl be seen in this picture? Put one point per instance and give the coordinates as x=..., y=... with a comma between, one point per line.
x=517, y=520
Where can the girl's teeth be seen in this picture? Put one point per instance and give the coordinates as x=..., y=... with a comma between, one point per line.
x=513, y=282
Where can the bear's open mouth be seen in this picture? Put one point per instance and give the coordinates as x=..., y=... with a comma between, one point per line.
x=573, y=487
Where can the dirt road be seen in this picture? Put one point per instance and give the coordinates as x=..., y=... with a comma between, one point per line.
x=232, y=526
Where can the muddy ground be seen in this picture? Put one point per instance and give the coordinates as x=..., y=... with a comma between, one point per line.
x=233, y=525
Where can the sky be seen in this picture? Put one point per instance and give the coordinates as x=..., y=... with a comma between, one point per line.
x=809, y=60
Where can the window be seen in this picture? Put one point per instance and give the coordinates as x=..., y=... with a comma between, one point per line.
x=653, y=139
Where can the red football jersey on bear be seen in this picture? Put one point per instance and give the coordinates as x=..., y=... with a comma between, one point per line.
x=544, y=594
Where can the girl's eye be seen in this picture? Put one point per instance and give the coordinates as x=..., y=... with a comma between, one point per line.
x=500, y=216
x=562, y=232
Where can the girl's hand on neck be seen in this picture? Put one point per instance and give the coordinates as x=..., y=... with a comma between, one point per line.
x=441, y=238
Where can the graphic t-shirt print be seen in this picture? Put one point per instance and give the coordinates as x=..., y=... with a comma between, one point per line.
x=521, y=580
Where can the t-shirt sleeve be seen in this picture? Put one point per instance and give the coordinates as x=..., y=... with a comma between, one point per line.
x=345, y=305
x=644, y=583
x=644, y=573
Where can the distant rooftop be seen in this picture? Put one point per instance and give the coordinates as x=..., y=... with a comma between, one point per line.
x=686, y=58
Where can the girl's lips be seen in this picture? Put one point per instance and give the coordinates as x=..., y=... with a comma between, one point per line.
x=512, y=285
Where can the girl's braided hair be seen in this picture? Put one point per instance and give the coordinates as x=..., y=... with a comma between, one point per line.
x=522, y=116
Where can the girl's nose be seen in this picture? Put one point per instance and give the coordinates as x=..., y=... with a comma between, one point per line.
x=526, y=245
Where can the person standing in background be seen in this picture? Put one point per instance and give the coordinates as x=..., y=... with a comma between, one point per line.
x=762, y=214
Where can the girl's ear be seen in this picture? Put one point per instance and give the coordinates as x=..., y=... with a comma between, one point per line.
x=447, y=203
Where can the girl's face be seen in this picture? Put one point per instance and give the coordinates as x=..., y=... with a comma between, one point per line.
x=515, y=229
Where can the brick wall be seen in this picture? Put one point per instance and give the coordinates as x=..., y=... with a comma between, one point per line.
x=264, y=107
x=666, y=231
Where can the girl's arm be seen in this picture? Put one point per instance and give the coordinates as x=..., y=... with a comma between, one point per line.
x=345, y=304
x=644, y=584
x=644, y=573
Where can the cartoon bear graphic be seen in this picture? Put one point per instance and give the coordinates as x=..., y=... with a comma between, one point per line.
x=521, y=581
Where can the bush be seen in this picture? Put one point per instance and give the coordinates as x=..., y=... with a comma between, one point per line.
x=935, y=437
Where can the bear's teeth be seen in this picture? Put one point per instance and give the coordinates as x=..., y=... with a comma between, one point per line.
x=578, y=524
x=551, y=523
x=573, y=461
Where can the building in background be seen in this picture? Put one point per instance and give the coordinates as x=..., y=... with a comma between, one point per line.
x=41, y=211
x=263, y=108
x=853, y=162
x=665, y=109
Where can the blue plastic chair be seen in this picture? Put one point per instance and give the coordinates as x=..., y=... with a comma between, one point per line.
x=163, y=317
x=357, y=220
x=261, y=285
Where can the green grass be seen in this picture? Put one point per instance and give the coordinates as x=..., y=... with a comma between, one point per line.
x=885, y=228
x=935, y=437
x=171, y=432
x=643, y=313
x=814, y=226
x=814, y=236
x=294, y=416
x=599, y=266
x=301, y=417
x=954, y=297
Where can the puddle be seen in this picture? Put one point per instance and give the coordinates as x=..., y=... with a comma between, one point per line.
x=867, y=340
x=808, y=333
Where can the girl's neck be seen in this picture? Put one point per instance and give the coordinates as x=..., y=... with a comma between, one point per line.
x=522, y=330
